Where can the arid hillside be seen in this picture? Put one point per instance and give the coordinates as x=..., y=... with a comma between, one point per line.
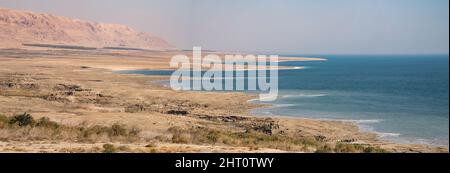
x=21, y=27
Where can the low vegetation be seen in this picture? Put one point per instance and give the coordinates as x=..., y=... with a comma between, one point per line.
x=23, y=127
x=109, y=148
x=200, y=135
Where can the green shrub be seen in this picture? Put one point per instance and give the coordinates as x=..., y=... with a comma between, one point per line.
x=22, y=120
x=109, y=148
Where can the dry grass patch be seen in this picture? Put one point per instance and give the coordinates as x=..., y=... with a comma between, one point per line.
x=255, y=140
x=24, y=127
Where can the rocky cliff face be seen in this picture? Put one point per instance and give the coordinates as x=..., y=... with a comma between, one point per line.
x=20, y=27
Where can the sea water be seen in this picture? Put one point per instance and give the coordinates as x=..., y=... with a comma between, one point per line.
x=401, y=98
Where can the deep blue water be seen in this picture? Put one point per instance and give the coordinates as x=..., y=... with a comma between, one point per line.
x=401, y=98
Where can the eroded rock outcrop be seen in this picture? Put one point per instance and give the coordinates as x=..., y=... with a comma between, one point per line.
x=20, y=27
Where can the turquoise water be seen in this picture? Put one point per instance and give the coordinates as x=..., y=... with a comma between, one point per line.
x=401, y=98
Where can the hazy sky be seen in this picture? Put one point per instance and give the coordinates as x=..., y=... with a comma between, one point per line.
x=281, y=26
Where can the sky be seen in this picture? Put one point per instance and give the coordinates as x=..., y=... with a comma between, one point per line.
x=273, y=26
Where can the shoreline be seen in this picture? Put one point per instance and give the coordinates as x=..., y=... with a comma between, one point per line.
x=349, y=121
x=378, y=135
x=381, y=136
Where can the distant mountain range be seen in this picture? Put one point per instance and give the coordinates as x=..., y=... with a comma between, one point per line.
x=22, y=28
